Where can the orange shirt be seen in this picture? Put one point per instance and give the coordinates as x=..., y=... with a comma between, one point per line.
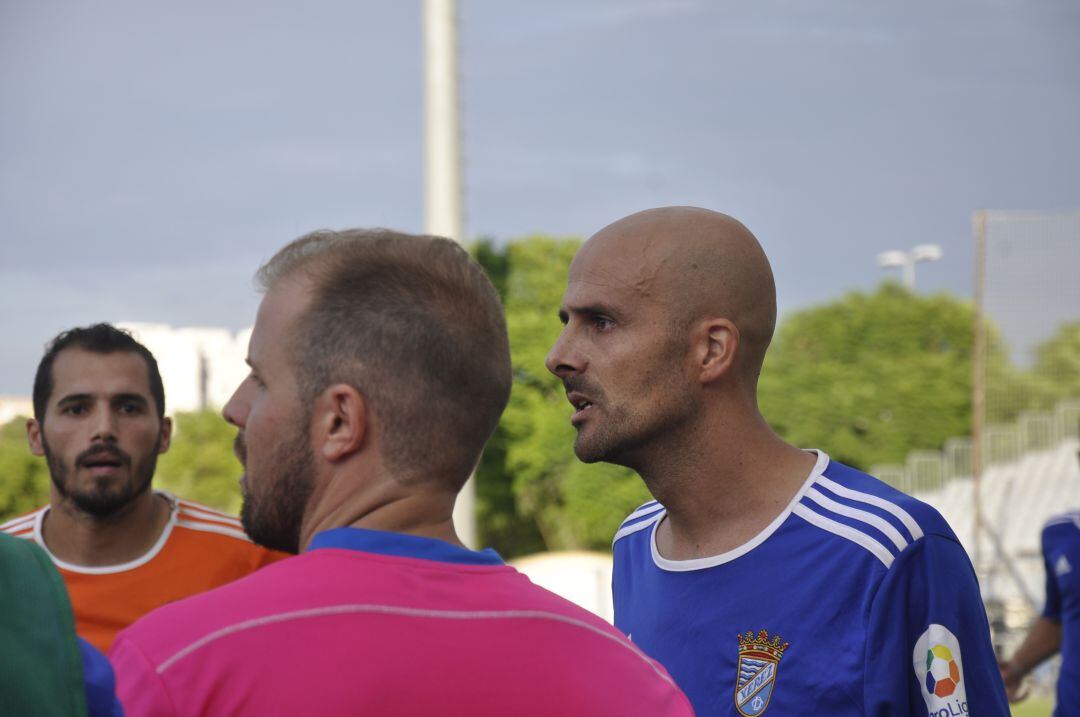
x=199, y=549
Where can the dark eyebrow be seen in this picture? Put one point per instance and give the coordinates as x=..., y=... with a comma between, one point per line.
x=132, y=397
x=590, y=310
x=120, y=397
x=75, y=398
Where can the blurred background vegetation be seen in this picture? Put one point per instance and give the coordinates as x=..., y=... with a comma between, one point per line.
x=867, y=377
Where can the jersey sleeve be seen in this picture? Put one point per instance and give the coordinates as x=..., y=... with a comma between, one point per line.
x=928, y=640
x=1052, y=607
x=100, y=682
x=137, y=683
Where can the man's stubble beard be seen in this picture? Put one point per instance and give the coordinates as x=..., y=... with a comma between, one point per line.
x=102, y=500
x=625, y=437
x=273, y=519
x=628, y=438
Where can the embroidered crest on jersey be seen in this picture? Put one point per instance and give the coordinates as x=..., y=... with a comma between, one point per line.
x=759, y=660
x=939, y=668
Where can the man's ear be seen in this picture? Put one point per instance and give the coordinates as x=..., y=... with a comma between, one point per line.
x=33, y=437
x=339, y=422
x=166, y=434
x=717, y=345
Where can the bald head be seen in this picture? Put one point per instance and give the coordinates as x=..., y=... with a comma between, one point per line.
x=698, y=263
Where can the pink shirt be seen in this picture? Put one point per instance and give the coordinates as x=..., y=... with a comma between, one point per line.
x=374, y=623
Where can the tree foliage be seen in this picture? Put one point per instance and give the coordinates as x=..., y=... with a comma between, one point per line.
x=1057, y=366
x=24, y=478
x=872, y=376
x=200, y=465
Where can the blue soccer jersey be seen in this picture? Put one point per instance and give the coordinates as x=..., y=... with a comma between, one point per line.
x=856, y=600
x=1061, y=553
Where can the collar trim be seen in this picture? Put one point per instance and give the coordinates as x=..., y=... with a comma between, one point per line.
x=401, y=545
x=714, y=560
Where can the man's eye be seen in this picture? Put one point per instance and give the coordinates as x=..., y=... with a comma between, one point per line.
x=73, y=410
x=130, y=407
x=603, y=323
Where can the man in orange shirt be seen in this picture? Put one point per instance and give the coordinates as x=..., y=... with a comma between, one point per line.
x=122, y=548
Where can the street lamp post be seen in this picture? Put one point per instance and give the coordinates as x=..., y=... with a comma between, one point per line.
x=906, y=260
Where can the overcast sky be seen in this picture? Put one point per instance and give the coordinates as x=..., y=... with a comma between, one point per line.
x=153, y=154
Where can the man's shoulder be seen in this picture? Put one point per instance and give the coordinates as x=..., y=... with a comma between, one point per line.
x=318, y=584
x=215, y=534
x=867, y=517
x=644, y=516
x=177, y=626
x=917, y=517
x=24, y=525
x=202, y=518
x=1064, y=526
x=199, y=519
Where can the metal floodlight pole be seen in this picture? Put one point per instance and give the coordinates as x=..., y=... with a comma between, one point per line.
x=442, y=155
x=442, y=171
x=909, y=274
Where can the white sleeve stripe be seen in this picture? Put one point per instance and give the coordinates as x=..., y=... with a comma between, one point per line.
x=219, y=529
x=623, y=532
x=644, y=510
x=903, y=515
x=19, y=522
x=861, y=515
x=198, y=509
x=200, y=515
x=402, y=611
x=27, y=533
x=1060, y=519
x=879, y=551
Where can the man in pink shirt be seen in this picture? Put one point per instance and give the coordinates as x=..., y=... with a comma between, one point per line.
x=379, y=368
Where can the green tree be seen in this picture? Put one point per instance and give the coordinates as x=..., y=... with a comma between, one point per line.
x=24, y=478
x=1057, y=365
x=558, y=502
x=499, y=522
x=870, y=377
x=200, y=465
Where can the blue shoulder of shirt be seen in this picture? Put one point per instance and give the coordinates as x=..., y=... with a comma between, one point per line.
x=1061, y=527
x=1069, y=518
x=643, y=516
x=848, y=504
x=925, y=516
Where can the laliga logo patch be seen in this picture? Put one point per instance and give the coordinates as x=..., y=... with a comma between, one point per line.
x=759, y=659
x=939, y=669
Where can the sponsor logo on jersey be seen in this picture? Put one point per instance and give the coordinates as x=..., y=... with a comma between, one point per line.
x=1062, y=566
x=939, y=668
x=759, y=660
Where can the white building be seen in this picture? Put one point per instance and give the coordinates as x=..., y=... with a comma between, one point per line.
x=200, y=366
x=11, y=407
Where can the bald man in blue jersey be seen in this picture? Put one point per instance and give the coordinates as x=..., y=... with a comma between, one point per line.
x=766, y=578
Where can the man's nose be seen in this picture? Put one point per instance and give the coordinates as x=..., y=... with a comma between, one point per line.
x=562, y=360
x=104, y=425
x=235, y=410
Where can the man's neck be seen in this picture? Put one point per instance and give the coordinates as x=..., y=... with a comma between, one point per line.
x=80, y=538
x=725, y=489
x=388, y=507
